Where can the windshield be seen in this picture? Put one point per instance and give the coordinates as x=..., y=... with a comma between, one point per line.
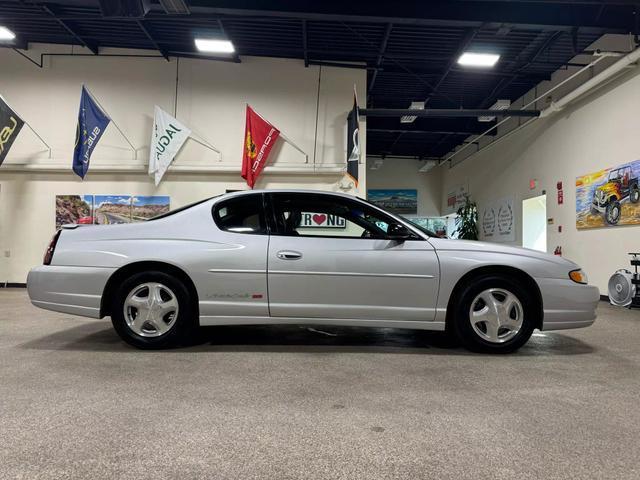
x=422, y=229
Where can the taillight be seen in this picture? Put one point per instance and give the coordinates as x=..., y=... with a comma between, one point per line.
x=48, y=254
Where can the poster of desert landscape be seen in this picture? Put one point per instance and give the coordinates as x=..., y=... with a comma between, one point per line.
x=608, y=197
x=74, y=209
x=145, y=207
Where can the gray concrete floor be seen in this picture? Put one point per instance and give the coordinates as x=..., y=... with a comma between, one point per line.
x=291, y=403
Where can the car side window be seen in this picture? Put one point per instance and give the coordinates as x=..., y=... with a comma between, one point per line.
x=243, y=214
x=317, y=215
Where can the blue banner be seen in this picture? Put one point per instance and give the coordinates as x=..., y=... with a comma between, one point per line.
x=92, y=122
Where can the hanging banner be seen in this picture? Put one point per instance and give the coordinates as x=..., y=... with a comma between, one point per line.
x=10, y=126
x=167, y=138
x=353, y=140
x=92, y=122
x=497, y=221
x=259, y=138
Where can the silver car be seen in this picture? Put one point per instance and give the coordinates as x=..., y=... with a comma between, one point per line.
x=302, y=257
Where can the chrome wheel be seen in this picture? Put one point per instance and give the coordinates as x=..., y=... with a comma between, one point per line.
x=496, y=315
x=151, y=309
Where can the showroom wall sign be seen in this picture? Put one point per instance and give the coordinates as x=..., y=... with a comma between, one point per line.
x=404, y=201
x=608, y=197
x=108, y=209
x=497, y=221
x=322, y=220
x=455, y=198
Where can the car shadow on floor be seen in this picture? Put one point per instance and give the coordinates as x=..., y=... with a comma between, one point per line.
x=96, y=336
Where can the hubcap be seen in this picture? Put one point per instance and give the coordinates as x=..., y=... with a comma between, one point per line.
x=151, y=309
x=496, y=315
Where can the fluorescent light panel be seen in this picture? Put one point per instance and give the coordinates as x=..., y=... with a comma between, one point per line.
x=214, y=46
x=470, y=59
x=6, y=34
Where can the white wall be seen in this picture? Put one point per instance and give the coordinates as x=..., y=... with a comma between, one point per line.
x=211, y=99
x=403, y=173
x=597, y=132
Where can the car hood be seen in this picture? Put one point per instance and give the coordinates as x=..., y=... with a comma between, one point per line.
x=447, y=244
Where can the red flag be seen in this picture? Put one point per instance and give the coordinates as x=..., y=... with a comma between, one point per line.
x=259, y=138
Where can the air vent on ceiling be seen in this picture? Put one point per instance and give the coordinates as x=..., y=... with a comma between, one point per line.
x=412, y=118
x=499, y=105
x=124, y=8
x=175, y=7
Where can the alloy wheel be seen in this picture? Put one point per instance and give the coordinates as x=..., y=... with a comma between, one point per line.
x=151, y=309
x=496, y=315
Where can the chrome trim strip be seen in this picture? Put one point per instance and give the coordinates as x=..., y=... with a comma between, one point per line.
x=352, y=274
x=233, y=270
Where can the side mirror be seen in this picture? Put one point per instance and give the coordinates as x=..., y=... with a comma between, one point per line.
x=398, y=232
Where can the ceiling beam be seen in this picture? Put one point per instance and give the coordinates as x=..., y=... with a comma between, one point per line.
x=461, y=13
x=446, y=112
x=235, y=56
x=305, y=44
x=147, y=32
x=381, y=52
x=93, y=47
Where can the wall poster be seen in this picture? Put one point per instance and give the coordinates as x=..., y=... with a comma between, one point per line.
x=497, y=221
x=609, y=197
x=402, y=201
x=108, y=209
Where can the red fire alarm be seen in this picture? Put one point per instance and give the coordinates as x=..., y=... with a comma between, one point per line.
x=559, y=185
x=560, y=197
x=532, y=184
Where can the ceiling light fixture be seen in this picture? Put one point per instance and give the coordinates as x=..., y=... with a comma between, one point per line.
x=214, y=46
x=6, y=34
x=470, y=59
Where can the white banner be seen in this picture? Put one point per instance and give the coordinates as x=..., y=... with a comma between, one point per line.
x=167, y=137
x=497, y=221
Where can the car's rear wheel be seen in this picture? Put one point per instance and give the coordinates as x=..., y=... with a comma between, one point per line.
x=494, y=314
x=153, y=310
x=634, y=195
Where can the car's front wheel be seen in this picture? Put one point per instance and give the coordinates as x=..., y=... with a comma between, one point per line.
x=612, y=213
x=494, y=314
x=152, y=310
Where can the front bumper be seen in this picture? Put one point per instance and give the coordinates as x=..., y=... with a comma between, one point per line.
x=567, y=304
x=74, y=290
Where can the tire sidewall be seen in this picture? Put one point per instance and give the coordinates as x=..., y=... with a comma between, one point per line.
x=184, y=322
x=610, y=207
x=462, y=305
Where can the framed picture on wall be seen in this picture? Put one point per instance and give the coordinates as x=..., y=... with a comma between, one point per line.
x=401, y=201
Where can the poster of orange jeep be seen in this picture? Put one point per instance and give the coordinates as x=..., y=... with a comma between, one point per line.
x=608, y=197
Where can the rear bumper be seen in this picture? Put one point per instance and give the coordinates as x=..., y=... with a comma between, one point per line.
x=74, y=290
x=567, y=304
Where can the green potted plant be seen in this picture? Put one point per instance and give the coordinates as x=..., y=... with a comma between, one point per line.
x=467, y=220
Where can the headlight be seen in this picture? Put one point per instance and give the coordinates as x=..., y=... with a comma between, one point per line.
x=578, y=276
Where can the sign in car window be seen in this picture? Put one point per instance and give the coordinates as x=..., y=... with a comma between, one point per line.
x=321, y=220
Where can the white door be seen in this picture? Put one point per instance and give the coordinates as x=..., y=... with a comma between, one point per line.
x=333, y=257
x=534, y=223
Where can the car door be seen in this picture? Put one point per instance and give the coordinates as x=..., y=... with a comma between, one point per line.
x=235, y=284
x=331, y=257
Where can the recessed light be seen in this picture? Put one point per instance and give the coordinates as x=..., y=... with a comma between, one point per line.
x=6, y=34
x=469, y=59
x=214, y=46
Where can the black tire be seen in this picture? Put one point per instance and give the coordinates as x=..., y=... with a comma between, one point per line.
x=634, y=195
x=612, y=212
x=461, y=305
x=181, y=329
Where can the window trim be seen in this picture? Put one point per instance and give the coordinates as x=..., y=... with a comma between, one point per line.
x=275, y=230
x=221, y=203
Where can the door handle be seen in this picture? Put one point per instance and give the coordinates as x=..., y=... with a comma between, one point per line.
x=288, y=255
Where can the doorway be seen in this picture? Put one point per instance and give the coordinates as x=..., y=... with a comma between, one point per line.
x=534, y=223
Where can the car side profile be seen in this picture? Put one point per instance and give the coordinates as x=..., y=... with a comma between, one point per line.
x=302, y=257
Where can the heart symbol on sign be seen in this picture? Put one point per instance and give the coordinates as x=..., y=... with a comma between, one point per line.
x=319, y=219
